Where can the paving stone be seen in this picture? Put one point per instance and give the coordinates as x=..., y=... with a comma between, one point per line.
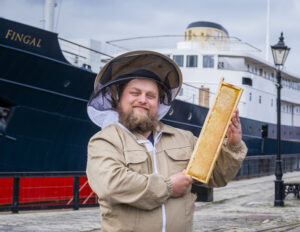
x=244, y=205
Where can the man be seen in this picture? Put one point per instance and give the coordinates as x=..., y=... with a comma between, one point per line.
x=136, y=163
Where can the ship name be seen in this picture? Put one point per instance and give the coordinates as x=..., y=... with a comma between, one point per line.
x=23, y=38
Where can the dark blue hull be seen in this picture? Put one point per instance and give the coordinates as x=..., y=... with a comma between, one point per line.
x=44, y=125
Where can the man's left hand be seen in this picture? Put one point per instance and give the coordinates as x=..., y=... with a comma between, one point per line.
x=234, y=132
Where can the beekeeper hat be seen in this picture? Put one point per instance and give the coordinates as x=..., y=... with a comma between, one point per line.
x=132, y=65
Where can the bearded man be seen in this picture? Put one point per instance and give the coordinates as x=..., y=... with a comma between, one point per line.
x=136, y=163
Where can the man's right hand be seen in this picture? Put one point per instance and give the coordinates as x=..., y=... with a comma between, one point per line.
x=180, y=183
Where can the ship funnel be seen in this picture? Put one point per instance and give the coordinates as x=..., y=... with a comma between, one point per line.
x=210, y=35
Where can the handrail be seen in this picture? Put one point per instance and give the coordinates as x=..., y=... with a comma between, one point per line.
x=79, y=45
x=15, y=206
x=252, y=166
x=42, y=174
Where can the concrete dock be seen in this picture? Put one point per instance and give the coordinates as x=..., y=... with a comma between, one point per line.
x=244, y=205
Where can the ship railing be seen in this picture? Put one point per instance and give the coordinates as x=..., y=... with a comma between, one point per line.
x=196, y=95
x=263, y=165
x=13, y=190
x=90, y=58
x=167, y=42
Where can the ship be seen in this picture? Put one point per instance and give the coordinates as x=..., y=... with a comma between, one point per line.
x=44, y=126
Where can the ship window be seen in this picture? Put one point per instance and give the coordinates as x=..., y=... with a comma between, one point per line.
x=87, y=66
x=259, y=99
x=208, y=61
x=3, y=118
x=250, y=96
x=247, y=81
x=220, y=65
x=216, y=35
x=272, y=102
x=178, y=60
x=250, y=129
x=191, y=61
x=208, y=32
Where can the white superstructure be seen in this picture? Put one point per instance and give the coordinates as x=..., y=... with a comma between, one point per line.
x=208, y=54
x=205, y=55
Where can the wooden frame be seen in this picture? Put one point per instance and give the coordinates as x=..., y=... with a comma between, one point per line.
x=213, y=132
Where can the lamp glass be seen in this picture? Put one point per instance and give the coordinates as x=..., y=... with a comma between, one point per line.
x=280, y=55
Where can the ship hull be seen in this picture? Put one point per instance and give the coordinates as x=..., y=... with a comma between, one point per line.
x=47, y=128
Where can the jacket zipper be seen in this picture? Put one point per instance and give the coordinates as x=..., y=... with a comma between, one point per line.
x=163, y=207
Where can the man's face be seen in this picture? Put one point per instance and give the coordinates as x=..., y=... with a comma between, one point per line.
x=141, y=97
x=138, y=106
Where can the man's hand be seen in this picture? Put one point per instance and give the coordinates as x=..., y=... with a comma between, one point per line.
x=234, y=132
x=180, y=183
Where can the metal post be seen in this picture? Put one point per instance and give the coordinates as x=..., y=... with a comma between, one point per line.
x=279, y=191
x=76, y=192
x=16, y=191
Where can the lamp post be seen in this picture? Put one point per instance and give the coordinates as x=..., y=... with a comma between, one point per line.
x=280, y=52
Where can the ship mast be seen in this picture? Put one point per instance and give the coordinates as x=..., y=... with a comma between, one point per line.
x=49, y=14
x=268, y=31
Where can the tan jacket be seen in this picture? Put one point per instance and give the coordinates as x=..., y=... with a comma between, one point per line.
x=131, y=177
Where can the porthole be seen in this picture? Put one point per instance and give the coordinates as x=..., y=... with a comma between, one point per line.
x=67, y=83
x=190, y=115
x=171, y=112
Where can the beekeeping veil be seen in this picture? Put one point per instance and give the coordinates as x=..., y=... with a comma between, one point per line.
x=120, y=70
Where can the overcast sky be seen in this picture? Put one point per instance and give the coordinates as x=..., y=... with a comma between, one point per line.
x=116, y=19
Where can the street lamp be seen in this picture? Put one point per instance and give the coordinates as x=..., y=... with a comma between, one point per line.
x=280, y=53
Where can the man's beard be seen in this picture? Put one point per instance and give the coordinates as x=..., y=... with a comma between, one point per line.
x=139, y=123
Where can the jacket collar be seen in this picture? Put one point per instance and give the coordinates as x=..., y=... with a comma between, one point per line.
x=165, y=128
x=161, y=128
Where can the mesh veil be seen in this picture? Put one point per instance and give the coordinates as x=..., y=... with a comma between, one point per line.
x=120, y=70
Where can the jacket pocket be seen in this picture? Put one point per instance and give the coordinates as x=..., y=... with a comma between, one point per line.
x=137, y=161
x=178, y=159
